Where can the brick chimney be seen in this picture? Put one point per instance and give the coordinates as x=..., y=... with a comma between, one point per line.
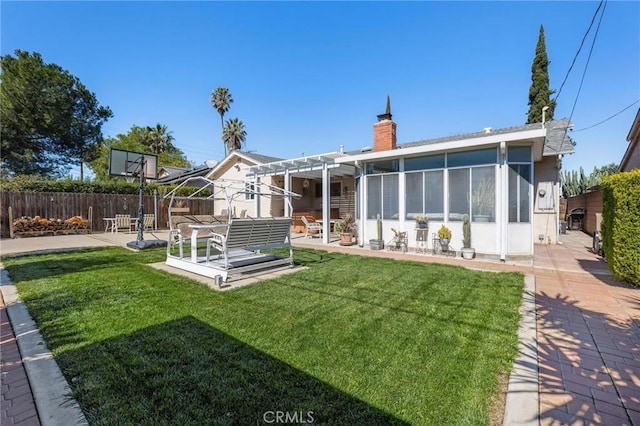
x=384, y=131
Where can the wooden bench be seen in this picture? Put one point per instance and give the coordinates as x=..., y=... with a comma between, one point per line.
x=179, y=229
x=252, y=235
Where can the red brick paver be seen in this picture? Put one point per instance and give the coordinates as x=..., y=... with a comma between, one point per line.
x=588, y=340
x=16, y=403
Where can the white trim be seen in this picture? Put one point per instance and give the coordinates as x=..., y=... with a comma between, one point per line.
x=466, y=144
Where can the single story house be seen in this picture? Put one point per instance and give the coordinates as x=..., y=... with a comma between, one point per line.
x=506, y=180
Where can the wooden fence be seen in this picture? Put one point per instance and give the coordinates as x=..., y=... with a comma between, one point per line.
x=63, y=205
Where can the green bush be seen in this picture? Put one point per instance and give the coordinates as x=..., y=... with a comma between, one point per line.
x=621, y=225
x=116, y=186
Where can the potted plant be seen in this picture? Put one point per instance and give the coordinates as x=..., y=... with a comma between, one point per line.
x=467, y=251
x=399, y=238
x=422, y=222
x=483, y=201
x=444, y=234
x=346, y=228
x=378, y=243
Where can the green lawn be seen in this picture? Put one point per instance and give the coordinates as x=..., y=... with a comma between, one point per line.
x=350, y=340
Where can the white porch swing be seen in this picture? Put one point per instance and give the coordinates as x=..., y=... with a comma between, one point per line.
x=236, y=247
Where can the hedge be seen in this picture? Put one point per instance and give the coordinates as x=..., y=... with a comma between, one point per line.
x=621, y=225
x=119, y=186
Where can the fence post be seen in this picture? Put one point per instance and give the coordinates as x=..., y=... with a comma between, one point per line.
x=10, y=222
x=90, y=219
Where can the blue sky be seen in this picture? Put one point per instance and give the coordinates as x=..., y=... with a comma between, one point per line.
x=307, y=77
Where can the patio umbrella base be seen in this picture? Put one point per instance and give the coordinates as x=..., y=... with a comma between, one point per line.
x=146, y=244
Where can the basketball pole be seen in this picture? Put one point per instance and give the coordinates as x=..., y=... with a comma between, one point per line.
x=141, y=203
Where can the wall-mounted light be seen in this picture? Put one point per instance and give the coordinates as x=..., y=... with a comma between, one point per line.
x=503, y=148
x=305, y=183
x=542, y=192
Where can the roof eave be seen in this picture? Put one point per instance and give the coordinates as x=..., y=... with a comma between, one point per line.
x=534, y=135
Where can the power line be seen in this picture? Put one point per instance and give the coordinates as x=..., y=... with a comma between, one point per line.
x=579, y=49
x=586, y=66
x=607, y=119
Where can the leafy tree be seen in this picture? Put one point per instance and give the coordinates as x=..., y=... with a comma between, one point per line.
x=221, y=101
x=234, y=134
x=50, y=120
x=539, y=92
x=158, y=139
x=136, y=140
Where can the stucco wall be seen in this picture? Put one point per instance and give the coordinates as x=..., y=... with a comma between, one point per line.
x=238, y=171
x=545, y=222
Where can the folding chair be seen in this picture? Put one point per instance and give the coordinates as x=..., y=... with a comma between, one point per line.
x=314, y=227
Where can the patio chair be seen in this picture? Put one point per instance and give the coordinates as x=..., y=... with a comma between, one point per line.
x=148, y=222
x=312, y=228
x=123, y=221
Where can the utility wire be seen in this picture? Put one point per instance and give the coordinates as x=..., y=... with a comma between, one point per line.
x=579, y=49
x=607, y=119
x=584, y=72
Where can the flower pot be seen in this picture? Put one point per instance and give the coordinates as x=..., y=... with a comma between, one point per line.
x=444, y=244
x=346, y=239
x=420, y=225
x=468, y=253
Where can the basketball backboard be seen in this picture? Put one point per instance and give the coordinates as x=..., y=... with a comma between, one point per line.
x=128, y=164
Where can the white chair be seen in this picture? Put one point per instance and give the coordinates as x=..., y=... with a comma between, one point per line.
x=123, y=221
x=148, y=222
x=314, y=227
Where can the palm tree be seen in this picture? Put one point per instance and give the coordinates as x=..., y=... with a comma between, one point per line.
x=158, y=139
x=234, y=134
x=221, y=101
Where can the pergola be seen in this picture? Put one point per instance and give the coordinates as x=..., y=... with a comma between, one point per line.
x=321, y=166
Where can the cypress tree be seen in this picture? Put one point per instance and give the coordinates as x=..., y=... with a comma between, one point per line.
x=539, y=92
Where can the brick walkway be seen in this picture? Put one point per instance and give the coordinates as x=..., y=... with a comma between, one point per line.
x=588, y=340
x=16, y=403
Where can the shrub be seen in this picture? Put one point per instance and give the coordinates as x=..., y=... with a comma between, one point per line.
x=621, y=225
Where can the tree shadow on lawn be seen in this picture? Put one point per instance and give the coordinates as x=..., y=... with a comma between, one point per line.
x=186, y=372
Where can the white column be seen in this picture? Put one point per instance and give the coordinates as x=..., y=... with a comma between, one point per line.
x=326, y=204
x=363, y=208
x=503, y=203
x=287, y=188
x=256, y=199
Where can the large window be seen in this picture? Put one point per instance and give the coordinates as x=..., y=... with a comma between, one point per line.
x=250, y=191
x=472, y=192
x=458, y=194
x=472, y=158
x=425, y=194
x=390, y=197
x=519, y=158
x=519, y=184
x=374, y=196
x=388, y=166
x=424, y=163
x=483, y=194
x=382, y=196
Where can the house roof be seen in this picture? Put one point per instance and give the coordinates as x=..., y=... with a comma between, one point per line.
x=556, y=140
x=259, y=158
x=249, y=157
x=174, y=170
x=185, y=174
